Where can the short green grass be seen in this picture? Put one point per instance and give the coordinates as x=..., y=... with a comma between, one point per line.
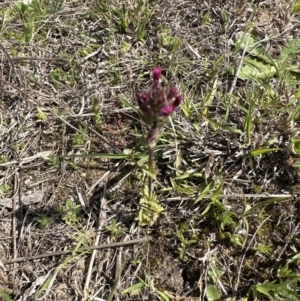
x=227, y=182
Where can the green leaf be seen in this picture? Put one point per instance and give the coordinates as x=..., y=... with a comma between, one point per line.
x=212, y=293
x=5, y=296
x=215, y=195
x=163, y=295
x=205, y=191
x=261, y=289
x=206, y=209
x=256, y=68
x=246, y=41
x=134, y=289
x=296, y=257
x=295, y=145
x=261, y=151
x=188, y=174
x=289, y=51
x=104, y=156
x=262, y=204
x=210, y=97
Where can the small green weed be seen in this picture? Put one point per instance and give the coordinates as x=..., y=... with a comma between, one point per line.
x=186, y=238
x=52, y=160
x=96, y=110
x=167, y=40
x=44, y=221
x=4, y=158
x=78, y=140
x=41, y=116
x=114, y=228
x=60, y=78
x=29, y=13
x=295, y=7
x=5, y=189
x=123, y=18
x=69, y=212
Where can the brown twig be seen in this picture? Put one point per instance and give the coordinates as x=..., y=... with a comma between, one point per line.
x=17, y=59
x=59, y=253
x=101, y=223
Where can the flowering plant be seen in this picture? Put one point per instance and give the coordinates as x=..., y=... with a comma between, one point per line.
x=156, y=105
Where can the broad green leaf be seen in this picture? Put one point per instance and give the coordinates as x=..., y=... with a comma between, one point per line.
x=256, y=68
x=289, y=51
x=212, y=293
x=295, y=145
x=215, y=273
x=246, y=41
x=292, y=77
x=296, y=165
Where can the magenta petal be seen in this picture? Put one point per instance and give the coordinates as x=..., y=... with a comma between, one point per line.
x=177, y=101
x=172, y=93
x=156, y=72
x=166, y=111
x=143, y=97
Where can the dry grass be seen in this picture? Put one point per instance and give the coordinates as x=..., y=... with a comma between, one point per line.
x=66, y=85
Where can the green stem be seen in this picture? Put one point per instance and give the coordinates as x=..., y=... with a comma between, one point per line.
x=151, y=170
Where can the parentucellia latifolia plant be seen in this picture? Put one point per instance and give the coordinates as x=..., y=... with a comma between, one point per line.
x=155, y=107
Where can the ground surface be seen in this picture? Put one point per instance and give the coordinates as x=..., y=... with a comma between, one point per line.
x=228, y=177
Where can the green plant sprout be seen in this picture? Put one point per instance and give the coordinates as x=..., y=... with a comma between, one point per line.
x=44, y=221
x=78, y=139
x=70, y=212
x=185, y=242
x=114, y=228
x=96, y=111
x=167, y=40
x=4, y=189
x=40, y=115
x=52, y=160
x=3, y=159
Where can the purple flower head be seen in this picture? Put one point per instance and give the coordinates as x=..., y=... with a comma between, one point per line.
x=157, y=104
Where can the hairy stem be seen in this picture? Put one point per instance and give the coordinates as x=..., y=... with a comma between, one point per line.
x=151, y=170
